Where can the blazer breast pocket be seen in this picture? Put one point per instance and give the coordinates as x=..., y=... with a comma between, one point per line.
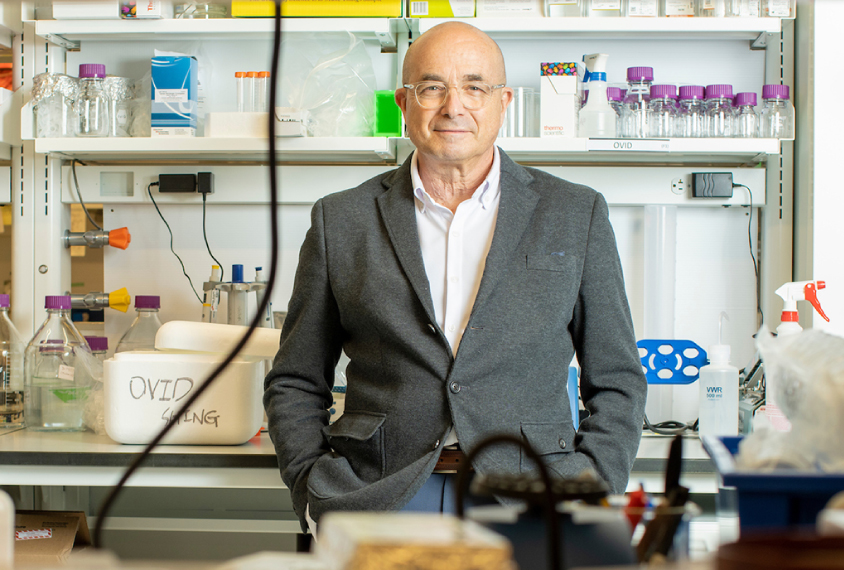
x=559, y=262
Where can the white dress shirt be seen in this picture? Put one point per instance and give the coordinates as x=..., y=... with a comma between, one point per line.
x=454, y=250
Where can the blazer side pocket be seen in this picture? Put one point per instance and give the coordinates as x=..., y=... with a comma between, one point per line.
x=550, y=440
x=359, y=437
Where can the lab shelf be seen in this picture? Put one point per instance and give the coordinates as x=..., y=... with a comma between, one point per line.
x=69, y=33
x=336, y=150
x=618, y=28
x=675, y=150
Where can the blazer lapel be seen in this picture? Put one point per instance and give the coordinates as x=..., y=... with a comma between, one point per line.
x=515, y=211
x=398, y=211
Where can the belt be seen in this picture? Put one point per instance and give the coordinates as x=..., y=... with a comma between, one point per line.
x=450, y=461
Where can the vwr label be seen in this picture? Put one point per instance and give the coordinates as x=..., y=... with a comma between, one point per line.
x=714, y=392
x=629, y=145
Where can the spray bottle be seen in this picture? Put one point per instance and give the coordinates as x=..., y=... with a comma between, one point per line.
x=790, y=293
x=719, y=390
x=597, y=117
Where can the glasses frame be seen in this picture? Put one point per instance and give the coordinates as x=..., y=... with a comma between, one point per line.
x=413, y=86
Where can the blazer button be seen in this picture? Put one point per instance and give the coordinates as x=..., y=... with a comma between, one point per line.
x=562, y=444
x=455, y=387
x=436, y=444
x=433, y=328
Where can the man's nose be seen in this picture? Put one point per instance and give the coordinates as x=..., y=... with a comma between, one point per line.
x=452, y=105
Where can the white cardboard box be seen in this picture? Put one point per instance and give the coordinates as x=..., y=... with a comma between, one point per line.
x=558, y=106
x=289, y=123
x=510, y=8
x=86, y=9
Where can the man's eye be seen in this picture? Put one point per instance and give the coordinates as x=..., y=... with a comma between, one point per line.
x=432, y=88
x=475, y=89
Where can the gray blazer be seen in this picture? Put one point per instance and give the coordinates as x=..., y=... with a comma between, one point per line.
x=552, y=287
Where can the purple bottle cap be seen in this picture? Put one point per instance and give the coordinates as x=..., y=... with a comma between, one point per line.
x=745, y=99
x=775, y=92
x=691, y=92
x=4, y=301
x=663, y=91
x=614, y=94
x=640, y=74
x=719, y=91
x=91, y=70
x=147, y=302
x=57, y=302
x=97, y=343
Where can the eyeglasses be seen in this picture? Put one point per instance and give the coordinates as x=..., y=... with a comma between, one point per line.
x=473, y=94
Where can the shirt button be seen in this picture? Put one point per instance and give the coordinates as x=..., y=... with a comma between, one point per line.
x=454, y=279
x=562, y=444
x=436, y=444
x=433, y=328
x=450, y=328
x=455, y=387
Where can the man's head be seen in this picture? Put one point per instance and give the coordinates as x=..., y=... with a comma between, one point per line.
x=455, y=54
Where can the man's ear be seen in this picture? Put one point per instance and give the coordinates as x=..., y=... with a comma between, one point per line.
x=401, y=99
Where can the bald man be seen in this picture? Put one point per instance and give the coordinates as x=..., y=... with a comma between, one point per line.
x=460, y=286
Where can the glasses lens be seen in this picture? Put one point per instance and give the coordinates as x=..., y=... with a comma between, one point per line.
x=473, y=95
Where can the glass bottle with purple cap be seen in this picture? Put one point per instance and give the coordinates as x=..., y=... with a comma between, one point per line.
x=141, y=334
x=11, y=371
x=778, y=115
x=57, y=378
x=692, y=113
x=92, y=102
x=662, y=111
x=634, y=114
x=99, y=346
x=719, y=110
x=747, y=121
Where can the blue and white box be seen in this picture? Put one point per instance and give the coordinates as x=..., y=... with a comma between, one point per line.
x=174, y=96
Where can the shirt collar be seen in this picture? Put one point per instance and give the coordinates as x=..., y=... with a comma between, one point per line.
x=485, y=193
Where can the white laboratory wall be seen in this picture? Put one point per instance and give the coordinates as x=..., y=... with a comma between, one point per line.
x=819, y=231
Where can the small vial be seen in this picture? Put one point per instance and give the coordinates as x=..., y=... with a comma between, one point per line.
x=677, y=8
x=747, y=121
x=778, y=8
x=642, y=8
x=240, y=88
x=634, y=112
x=745, y=9
x=564, y=8
x=259, y=94
x=719, y=110
x=692, y=112
x=249, y=91
x=603, y=8
x=778, y=115
x=662, y=111
x=713, y=8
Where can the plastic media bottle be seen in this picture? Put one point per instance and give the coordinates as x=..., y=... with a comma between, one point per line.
x=778, y=115
x=778, y=8
x=719, y=387
x=642, y=8
x=713, y=8
x=678, y=8
x=634, y=113
x=719, y=110
x=662, y=109
x=141, y=334
x=563, y=8
x=56, y=375
x=92, y=102
x=746, y=119
x=745, y=9
x=11, y=371
x=692, y=113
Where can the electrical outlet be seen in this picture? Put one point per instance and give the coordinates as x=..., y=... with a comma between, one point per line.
x=678, y=186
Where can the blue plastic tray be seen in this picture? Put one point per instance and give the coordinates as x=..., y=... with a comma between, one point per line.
x=772, y=501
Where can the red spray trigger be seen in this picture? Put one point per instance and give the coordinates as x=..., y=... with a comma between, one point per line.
x=811, y=295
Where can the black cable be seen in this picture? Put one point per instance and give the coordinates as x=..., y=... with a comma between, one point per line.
x=192, y=288
x=749, y=206
x=205, y=237
x=79, y=194
x=670, y=427
x=259, y=314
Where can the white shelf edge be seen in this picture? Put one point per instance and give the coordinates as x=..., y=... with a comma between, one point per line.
x=715, y=27
x=10, y=22
x=383, y=29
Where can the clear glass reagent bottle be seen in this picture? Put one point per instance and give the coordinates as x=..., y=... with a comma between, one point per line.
x=11, y=371
x=92, y=103
x=634, y=116
x=719, y=110
x=141, y=334
x=778, y=114
x=57, y=378
x=662, y=110
x=746, y=119
x=691, y=114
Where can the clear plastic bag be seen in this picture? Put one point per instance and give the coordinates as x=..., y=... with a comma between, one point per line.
x=331, y=76
x=808, y=373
